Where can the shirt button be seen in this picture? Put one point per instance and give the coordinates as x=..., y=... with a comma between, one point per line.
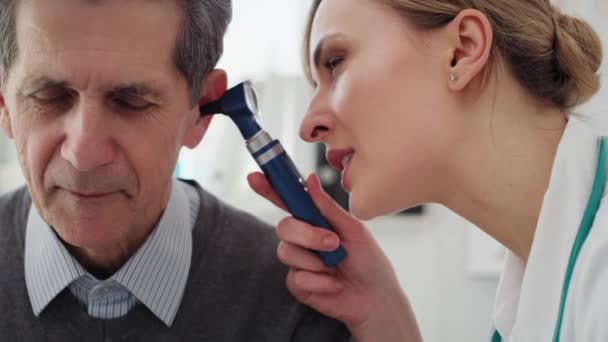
x=101, y=290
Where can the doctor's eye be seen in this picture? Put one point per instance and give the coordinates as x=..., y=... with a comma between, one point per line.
x=332, y=63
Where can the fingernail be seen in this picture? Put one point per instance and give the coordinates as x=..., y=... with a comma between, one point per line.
x=330, y=242
x=316, y=179
x=311, y=177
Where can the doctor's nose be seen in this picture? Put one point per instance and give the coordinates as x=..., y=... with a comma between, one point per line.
x=317, y=125
x=88, y=143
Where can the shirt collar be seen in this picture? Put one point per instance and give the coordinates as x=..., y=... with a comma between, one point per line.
x=156, y=274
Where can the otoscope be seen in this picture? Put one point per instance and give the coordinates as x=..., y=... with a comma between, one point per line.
x=240, y=103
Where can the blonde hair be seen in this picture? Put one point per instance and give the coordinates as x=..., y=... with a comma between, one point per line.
x=555, y=56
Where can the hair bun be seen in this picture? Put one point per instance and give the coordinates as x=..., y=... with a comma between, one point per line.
x=578, y=54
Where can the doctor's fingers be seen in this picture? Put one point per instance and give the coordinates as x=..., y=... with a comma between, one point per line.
x=300, y=258
x=304, y=284
x=258, y=182
x=346, y=225
x=305, y=235
x=337, y=217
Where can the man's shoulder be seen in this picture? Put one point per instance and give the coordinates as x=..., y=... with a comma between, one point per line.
x=235, y=259
x=14, y=206
x=229, y=220
x=232, y=244
x=230, y=235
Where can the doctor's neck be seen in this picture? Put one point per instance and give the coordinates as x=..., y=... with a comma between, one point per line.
x=502, y=171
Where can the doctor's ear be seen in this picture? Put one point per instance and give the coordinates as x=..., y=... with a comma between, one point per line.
x=212, y=88
x=471, y=37
x=5, y=119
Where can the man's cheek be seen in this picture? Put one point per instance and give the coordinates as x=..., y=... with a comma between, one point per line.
x=24, y=164
x=5, y=123
x=32, y=155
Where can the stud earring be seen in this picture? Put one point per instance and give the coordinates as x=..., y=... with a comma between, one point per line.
x=454, y=77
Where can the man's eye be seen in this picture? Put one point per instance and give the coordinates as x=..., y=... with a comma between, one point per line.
x=53, y=99
x=132, y=102
x=51, y=95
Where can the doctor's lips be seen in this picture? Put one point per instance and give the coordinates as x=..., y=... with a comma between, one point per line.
x=339, y=159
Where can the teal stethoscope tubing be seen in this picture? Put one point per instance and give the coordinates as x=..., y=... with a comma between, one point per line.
x=593, y=204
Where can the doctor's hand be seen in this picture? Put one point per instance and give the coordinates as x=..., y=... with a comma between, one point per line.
x=362, y=291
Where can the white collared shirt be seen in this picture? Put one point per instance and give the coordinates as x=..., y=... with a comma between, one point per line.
x=155, y=275
x=528, y=298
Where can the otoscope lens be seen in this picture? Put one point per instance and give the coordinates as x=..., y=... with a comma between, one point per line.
x=251, y=97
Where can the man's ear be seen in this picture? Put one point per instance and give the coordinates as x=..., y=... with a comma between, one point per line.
x=212, y=88
x=5, y=119
x=471, y=37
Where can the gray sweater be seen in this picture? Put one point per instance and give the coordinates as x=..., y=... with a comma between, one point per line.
x=235, y=289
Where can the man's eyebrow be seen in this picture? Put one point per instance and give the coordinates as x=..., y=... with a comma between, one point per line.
x=137, y=89
x=43, y=82
x=320, y=46
x=132, y=89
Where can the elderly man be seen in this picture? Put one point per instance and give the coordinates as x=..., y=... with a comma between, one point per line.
x=99, y=97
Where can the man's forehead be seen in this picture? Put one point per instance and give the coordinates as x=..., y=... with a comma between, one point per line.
x=95, y=43
x=144, y=25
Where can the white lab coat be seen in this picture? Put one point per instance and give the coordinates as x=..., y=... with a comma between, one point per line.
x=528, y=297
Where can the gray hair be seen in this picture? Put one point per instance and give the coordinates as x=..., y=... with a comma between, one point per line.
x=197, y=51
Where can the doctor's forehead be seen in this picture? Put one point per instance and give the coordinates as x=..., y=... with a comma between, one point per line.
x=348, y=20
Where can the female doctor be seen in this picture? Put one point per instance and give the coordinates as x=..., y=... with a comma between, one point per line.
x=464, y=103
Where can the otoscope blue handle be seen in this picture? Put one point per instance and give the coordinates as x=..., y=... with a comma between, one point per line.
x=240, y=104
x=289, y=185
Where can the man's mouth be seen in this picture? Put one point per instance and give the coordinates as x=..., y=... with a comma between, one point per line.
x=90, y=195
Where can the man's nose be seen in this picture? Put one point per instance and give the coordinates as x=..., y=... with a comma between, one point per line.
x=88, y=142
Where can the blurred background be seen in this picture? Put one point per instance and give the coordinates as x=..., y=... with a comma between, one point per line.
x=447, y=267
